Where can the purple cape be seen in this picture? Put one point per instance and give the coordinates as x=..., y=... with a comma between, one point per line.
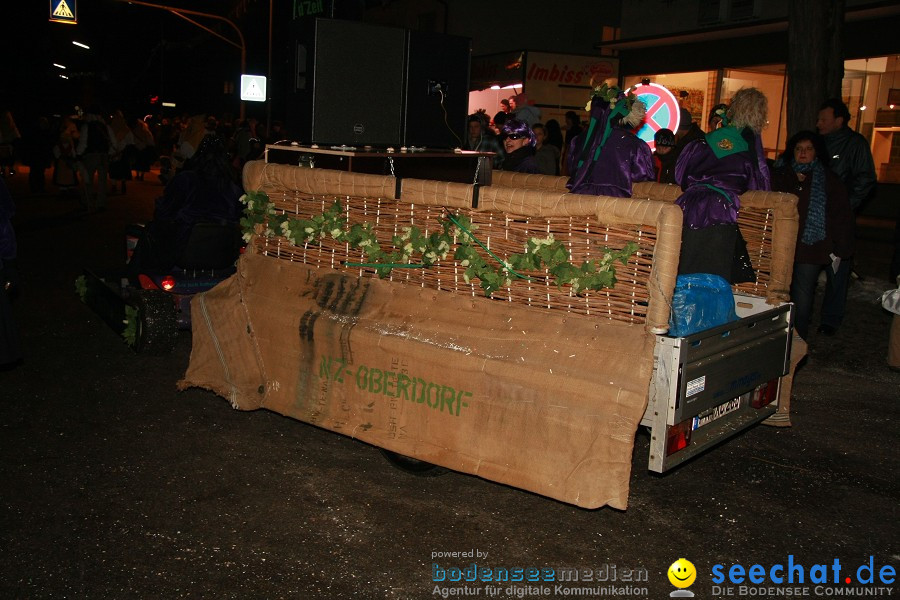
x=712, y=186
x=624, y=158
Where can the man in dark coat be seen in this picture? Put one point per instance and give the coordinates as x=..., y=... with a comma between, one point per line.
x=851, y=160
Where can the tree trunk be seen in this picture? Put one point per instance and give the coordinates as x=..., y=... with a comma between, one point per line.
x=815, y=66
x=835, y=49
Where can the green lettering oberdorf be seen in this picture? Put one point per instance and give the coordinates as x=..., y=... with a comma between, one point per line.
x=397, y=385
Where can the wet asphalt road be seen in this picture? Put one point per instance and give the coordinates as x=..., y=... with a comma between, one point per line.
x=115, y=485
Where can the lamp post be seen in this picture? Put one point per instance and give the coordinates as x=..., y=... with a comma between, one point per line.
x=183, y=12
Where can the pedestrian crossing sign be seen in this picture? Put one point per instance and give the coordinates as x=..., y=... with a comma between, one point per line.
x=253, y=88
x=63, y=11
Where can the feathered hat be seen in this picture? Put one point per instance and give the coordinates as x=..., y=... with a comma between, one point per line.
x=605, y=105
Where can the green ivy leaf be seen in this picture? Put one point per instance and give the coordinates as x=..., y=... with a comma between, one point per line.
x=131, y=319
x=81, y=287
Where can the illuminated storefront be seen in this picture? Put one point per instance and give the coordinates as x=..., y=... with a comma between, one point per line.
x=712, y=49
x=868, y=89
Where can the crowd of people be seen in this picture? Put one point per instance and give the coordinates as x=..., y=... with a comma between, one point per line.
x=830, y=169
x=545, y=144
x=93, y=154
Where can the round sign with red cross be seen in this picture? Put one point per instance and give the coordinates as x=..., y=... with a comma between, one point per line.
x=663, y=111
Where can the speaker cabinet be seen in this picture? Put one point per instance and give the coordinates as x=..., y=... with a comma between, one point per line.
x=432, y=60
x=358, y=84
x=357, y=96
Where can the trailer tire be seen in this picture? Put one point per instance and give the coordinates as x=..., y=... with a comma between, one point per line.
x=414, y=466
x=156, y=326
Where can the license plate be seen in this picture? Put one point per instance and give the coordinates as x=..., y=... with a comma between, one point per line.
x=716, y=412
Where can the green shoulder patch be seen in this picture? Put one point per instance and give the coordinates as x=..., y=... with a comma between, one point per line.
x=725, y=141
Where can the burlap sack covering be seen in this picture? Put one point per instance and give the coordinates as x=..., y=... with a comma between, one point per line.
x=543, y=400
x=547, y=404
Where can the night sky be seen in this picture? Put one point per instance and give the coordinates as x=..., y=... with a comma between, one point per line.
x=139, y=52
x=135, y=52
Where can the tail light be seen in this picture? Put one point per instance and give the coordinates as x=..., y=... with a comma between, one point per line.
x=678, y=437
x=168, y=282
x=764, y=394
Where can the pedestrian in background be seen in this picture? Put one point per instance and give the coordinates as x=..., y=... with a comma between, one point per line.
x=546, y=155
x=825, y=234
x=145, y=146
x=9, y=142
x=10, y=350
x=94, y=143
x=573, y=130
x=554, y=134
x=665, y=157
x=65, y=174
x=851, y=160
x=122, y=151
x=480, y=138
x=715, y=117
x=523, y=109
x=37, y=153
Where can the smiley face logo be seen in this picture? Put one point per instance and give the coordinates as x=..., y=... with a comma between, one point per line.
x=682, y=573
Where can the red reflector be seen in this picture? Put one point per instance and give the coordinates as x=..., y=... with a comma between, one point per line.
x=765, y=394
x=678, y=437
x=146, y=283
x=168, y=282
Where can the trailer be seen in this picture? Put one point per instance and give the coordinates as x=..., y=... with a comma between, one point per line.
x=537, y=385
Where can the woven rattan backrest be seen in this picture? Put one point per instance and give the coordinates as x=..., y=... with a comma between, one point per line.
x=506, y=218
x=526, y=180
x=768, y=222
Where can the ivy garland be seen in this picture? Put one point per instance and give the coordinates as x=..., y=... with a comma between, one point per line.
x=261, y=218
x=131, y=325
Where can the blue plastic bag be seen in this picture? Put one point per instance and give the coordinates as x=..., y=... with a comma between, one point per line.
x=701, y=301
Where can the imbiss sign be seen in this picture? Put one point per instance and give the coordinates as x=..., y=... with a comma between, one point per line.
x=550, y=80
x=562, y=80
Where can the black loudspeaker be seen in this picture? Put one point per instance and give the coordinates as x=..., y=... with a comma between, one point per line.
x=357, y=96
x=437, y=70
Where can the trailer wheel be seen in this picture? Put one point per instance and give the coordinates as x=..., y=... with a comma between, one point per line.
x=156, y=327
x=417, y=467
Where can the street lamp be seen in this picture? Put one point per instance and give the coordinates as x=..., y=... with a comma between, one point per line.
x=182, y=12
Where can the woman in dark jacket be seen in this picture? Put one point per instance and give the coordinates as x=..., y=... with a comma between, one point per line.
x=825, y=235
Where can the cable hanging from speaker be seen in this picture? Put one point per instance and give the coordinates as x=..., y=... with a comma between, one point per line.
x=446, y=121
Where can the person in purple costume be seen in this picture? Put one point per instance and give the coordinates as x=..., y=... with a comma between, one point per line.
x=713, y=172
x=518, y=142
x=607, y=158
